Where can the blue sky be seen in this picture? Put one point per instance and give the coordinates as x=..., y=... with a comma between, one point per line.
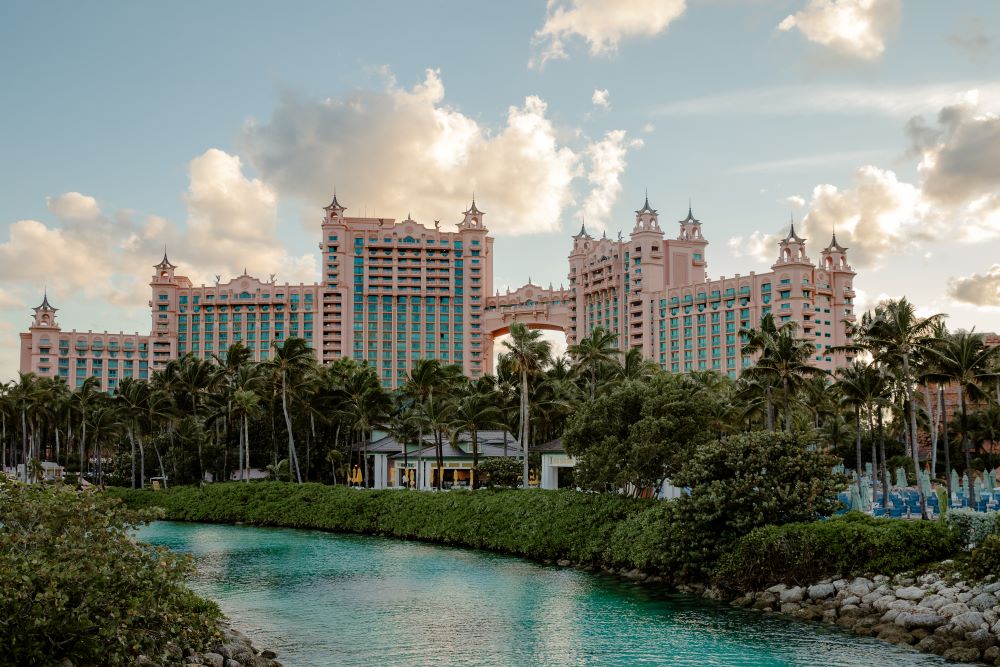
x=127, y=126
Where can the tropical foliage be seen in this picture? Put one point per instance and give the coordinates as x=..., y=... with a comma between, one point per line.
x=78, y=589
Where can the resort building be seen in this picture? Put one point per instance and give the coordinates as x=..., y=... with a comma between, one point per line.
x=393, y=292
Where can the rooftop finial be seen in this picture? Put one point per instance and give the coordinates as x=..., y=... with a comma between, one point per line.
x=690, y=215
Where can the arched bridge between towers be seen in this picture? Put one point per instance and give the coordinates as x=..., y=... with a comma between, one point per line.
x=531, y=305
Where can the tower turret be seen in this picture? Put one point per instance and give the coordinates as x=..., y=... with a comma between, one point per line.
x=334, y=211
x=690, y=227
x=473, y=217
x=834, y=256
x=45, y=314
x=581, y=241
x=792, y=249
x=164, y=270
x=646, y=218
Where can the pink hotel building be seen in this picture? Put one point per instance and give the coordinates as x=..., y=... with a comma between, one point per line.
x=394, y=292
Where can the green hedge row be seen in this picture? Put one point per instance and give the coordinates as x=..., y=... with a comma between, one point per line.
x=544, y=525
x=590, y=528
x=853, y=544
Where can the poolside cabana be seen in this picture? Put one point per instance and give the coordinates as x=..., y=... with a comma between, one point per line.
x=389, y=468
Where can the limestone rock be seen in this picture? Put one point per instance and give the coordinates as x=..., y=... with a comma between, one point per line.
x=821, y=591
x=851, y=600
x=793, y=594
x=969, y=621
x=933, y=644
x=981, y=639
x=884, y=603
x=790, y=607
x=983, y=601
x=213, y=659
x=910, y=593
x=991, y=654
x=911, y=620
x=896, y=635
x=860, y=587
x=962, y=654
x=934, y=601
x=953, y=609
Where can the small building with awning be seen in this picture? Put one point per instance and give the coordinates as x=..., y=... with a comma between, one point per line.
x=390, y=467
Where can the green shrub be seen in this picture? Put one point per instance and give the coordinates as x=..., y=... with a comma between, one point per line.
x=77, y=587
x=500, y=472
x=973, y=527
x=545, y=525
x=740, y=483
x=986, y=558
x=853, y=544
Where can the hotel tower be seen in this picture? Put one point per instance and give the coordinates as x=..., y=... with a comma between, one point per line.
x=393, y=292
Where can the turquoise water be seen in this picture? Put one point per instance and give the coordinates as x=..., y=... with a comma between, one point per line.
x=325, y=599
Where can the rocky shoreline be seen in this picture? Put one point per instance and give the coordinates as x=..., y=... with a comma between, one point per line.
x=234, y=650
x=933, y=613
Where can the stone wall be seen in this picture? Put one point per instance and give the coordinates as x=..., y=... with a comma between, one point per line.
x=932, y=613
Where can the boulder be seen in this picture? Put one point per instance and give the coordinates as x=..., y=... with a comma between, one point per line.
x=232, y=663
x=829, y=615
x=764, y=600
x=992, y=654
x=910, y=593
x=911, y=620
x=962, y=654
x=934, y=601
x=953, y=609
x=992, y=588
x=821, y=591
x=969, y=621
x=981, y=639
x=213, y=659
x=983, y=601
x=793, y=594
x=933, y=644
x=790, y=607
x=777, y=589
x=901, y=605
x=884, y=603
x=895, y=635
x=860, y=587
x=965, y=597
x=840, y=584
x=851, y=600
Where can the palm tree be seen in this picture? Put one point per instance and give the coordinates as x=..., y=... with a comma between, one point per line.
x=964, y=360
x=132, y=397
x=593, y=355
x=784, y=358
x=436, y=415
x=529, y=354
x=895, y=337
x=424, y=379
x=759, y=341
x=105, y=426
x=292, y=361
x=472, y=412
x=25, y=396
x=865, y=387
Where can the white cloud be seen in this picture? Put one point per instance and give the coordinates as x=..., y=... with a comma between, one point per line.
x=823, y=160
x=600, y=98
x=233, y=223
x=955, y=199
x=407, y=150
x=607, y=163
x=8, y=301
x=856, y=28
x=603, y=24
x=88, y=253
x=979, y=289
x=796, y=100
x=796, y=201
x=648, y=127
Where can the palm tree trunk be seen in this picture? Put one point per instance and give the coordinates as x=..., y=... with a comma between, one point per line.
x=524, y=428
x=246, y=450
x=934, y=415
x=292, y=459
x=914, y=444
x=947, y=448
x=770, y=409
x=142, y=462
x=439, y=452
x=857, y=443
x=966, y=449
x=475, y=458
x=788, y=404
x=885, y=464
x=131, y=440
x=24, y=442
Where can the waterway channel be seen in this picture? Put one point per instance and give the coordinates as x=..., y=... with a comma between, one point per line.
x=329, y=599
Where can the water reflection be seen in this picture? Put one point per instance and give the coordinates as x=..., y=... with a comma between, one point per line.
x=325, y=599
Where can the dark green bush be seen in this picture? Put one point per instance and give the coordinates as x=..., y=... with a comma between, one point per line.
x=545, y=525
x=985, y=559
x=77, y=587
x=500, y=473
x=854, y=544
